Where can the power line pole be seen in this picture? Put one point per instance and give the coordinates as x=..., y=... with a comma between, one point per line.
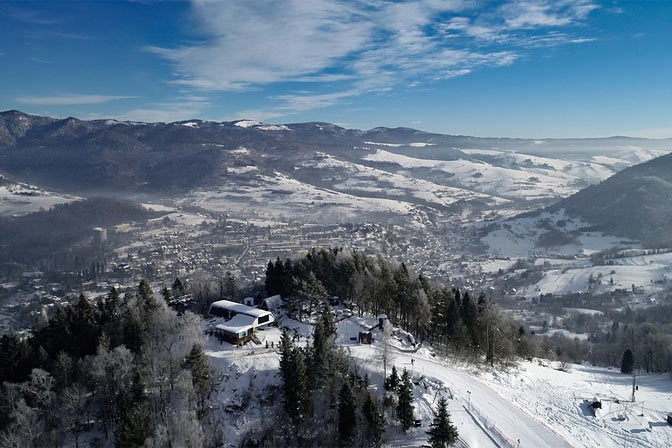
x=634, y=368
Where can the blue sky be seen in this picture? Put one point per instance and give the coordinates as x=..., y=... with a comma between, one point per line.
x=520, y=68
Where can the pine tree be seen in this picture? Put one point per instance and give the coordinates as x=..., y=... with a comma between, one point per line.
x=628, y=362
x=374, y=422
x=230, y=287
x=300, y=380
x=201, y=375
x=405, y=404
x=347, y=418
x=165, y=293
x=392, y=382
x=294, y=378
x=319, y=356
x=271, y=282
x=441, y=432
x=327, y=319
x=178, y=288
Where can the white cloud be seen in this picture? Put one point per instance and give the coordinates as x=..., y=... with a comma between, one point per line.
x=31, y=17
x=64, y=100
x=183, y=108
x=359, y=46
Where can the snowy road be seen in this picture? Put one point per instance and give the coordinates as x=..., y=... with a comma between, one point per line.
x=511, y=421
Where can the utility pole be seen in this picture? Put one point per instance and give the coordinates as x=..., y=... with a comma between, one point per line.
x=634, y=368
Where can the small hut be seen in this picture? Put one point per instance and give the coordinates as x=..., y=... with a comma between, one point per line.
x=365, y=337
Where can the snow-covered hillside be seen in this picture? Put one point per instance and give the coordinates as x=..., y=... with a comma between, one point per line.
x=531, y=405
x=20, y=198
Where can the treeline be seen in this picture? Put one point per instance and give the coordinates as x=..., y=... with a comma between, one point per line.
x=646, y=332
x=450, y=318
x=29, y=238
x=123, y=371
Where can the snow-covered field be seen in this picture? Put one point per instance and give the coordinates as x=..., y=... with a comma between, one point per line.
x=362, y=178
x=647, y=273
x=531, y=405
x=21, y=199
x=533, y=182
x=277, y=195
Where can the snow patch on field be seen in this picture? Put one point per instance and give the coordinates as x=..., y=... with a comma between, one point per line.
x=491, y=179
x=21, y=199
x=361, y=178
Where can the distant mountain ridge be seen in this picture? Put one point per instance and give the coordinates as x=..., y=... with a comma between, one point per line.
x=310, y=167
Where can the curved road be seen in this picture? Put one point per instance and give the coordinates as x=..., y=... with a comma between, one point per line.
x=514, y=423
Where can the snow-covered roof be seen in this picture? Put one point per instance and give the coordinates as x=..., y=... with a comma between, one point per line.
x=238, y=308
x=273, y=302
x=237, y=324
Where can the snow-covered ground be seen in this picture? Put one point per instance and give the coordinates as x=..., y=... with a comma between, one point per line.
x=572, y=280
x=556, y=398
x=277, y=195
x=512, y=182
x=519, y=237
x=531, y=405
x=362, y=178
x=21, y=199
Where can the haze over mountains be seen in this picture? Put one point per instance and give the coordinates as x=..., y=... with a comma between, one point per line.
x=345, y=174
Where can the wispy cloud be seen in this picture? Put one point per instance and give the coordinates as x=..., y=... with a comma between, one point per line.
x=183, y=108
x=31, y=17
x=360, y=46
x=65, y=100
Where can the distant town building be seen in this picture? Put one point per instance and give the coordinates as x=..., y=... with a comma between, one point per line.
x=99, y=236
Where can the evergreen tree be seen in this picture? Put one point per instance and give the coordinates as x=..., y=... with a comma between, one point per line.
x=627, y=362
x=327, y=319
x=405, y=404
x=134, y=427
x=295, y=380
x=201, y=375
x=392, y=382
x=165, y=293
x=374, y=422
x=441, y=432
x=347, y=418
x=230, y=287
x=271, y=281
x=146, y=297
x=110, y=307
x=178, y=288
x=319, y=356
x=302, y=394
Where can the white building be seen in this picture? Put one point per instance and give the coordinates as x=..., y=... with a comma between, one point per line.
x=236, y=322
